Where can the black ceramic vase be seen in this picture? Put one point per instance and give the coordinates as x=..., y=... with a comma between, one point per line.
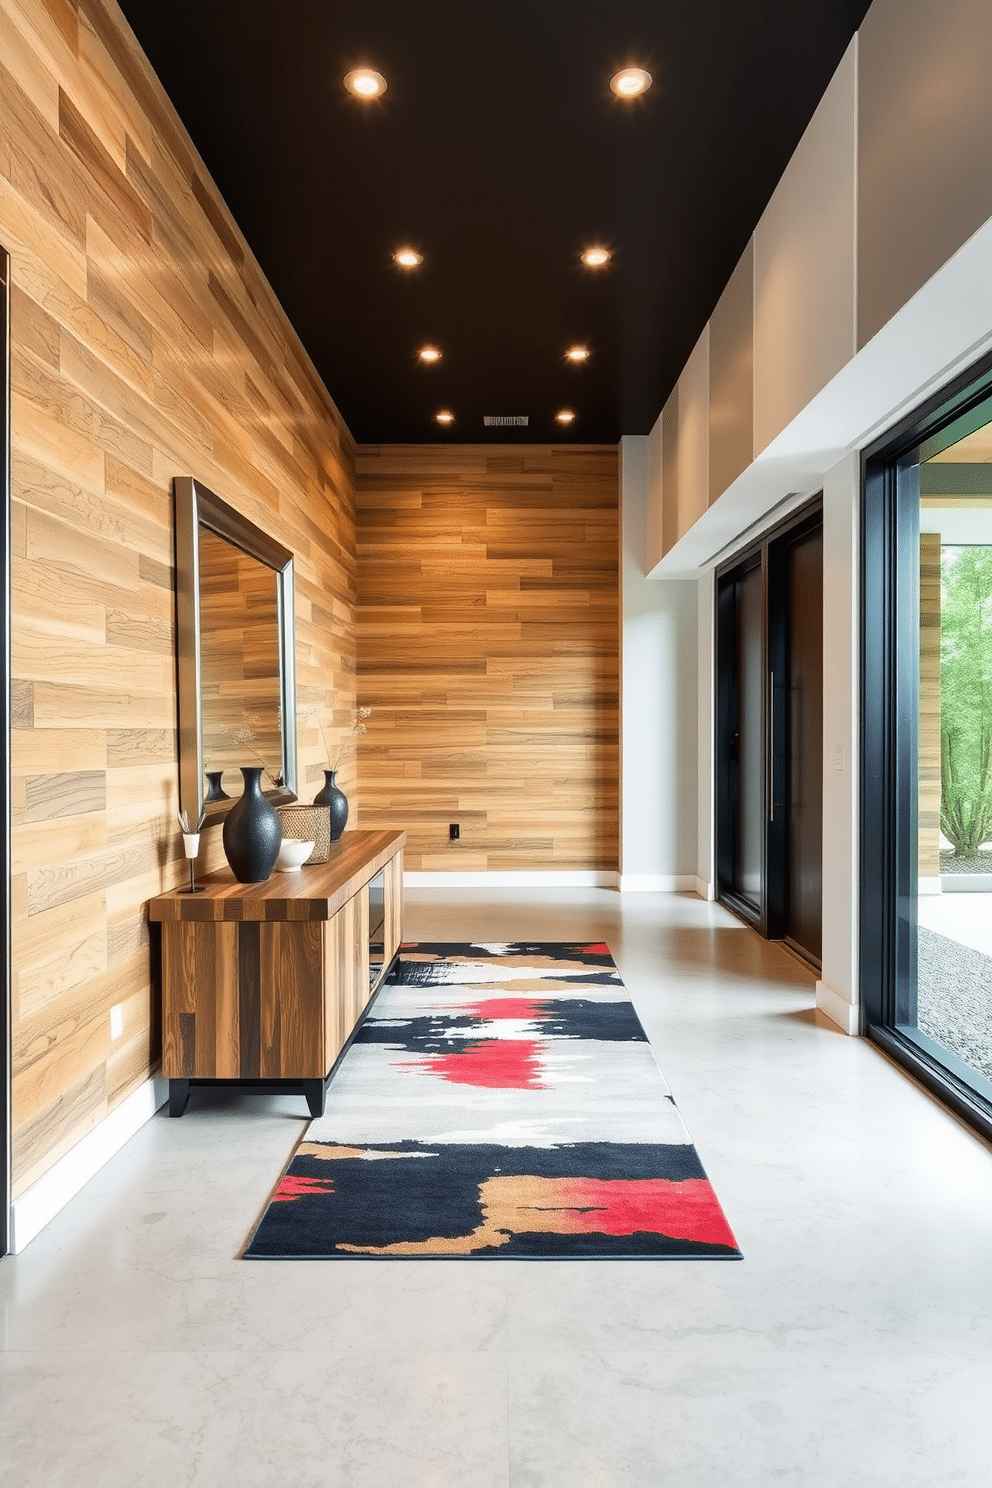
x=252, y=831
x=216, y=791
x=336, y=801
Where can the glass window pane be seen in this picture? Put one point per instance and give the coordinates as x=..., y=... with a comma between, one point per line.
x=951, y=1011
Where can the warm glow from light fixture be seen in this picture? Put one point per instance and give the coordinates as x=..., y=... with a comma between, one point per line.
x=444, y=417
x=408, y=258
x=595, y=258
x=566, y=416
x=577, y=354
x=365, y=83
x=429, y=354
x=631, y=82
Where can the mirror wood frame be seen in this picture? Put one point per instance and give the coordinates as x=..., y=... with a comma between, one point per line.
x=196, y=506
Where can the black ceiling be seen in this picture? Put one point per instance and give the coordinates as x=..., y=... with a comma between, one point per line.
x=500, y=153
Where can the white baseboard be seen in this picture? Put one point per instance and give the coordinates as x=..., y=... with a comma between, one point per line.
x=656, y=883
x=508, y=880
x=43, y=1200
x=705, y=890
x=838, y=1009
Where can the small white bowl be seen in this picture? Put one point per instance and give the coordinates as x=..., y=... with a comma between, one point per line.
x=293, y=854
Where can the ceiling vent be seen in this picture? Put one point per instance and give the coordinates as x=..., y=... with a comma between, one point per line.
x=505, y=420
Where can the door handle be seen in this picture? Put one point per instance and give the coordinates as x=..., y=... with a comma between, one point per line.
x=771, y=746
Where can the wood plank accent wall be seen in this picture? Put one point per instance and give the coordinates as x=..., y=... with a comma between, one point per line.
x=146, y=344
x=488, y=651
x=929, y=769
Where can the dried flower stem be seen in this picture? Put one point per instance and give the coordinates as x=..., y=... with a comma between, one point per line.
x=358, y=727
x=347, y=746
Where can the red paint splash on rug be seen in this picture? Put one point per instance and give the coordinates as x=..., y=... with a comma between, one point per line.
x=687, y=1210
x=506, y=1007
x=298, y=1187
x=497, y=1064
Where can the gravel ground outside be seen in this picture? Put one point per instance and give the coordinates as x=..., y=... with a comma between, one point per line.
x=954, y=1003
x=980, y=863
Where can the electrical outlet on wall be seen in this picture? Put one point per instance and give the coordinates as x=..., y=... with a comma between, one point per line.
x=454, y=831
x=116, y=1021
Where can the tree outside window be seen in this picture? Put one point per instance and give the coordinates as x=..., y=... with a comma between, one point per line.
x=966, y=697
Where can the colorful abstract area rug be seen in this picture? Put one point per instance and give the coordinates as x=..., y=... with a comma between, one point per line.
x=498, y=1101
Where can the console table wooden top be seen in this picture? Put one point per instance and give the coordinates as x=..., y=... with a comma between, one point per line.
x=314, y=893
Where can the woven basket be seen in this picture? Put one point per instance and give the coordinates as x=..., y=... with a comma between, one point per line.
x=311, y=824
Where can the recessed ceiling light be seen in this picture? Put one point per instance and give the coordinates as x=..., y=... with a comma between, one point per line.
x=577, y=354
x=365, y=83
x=408, y=258
x=595, y=258
x=630, y=82
x=444, y=417
x=429, y=354
x=565, y=416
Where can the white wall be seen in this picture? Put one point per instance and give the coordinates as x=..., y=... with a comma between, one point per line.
x=653, y=525
x=693, y=456
x=837, y=989
x=658, y=715
x=804, y=263
x=924, y=163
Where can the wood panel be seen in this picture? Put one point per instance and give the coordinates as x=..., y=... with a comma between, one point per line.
x=392, y=925
x=242, y=1000
x=360, y=988
x=488, y=653
x=146, y=344
x=197, y=962
x=341, y=970
x=292, y=999
x=929, y=766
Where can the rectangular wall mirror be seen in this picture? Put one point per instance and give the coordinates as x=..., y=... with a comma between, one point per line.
x=235, y=654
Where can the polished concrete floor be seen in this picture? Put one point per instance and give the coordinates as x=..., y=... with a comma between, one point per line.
x=852, y=1346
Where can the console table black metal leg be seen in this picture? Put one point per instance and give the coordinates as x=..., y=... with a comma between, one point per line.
x=314, y=1090
x=178, y=1096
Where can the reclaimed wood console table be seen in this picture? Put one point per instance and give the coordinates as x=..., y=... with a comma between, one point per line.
x=264, y=984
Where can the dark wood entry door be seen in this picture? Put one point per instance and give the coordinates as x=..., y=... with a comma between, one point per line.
x=741, y=739
x=803, y=887
x=769, y=734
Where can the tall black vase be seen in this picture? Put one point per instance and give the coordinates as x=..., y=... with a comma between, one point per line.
x=336, y=801
x=252, y=831
x=216, y=791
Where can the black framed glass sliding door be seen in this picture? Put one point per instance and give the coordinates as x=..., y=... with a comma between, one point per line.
x=926, y=850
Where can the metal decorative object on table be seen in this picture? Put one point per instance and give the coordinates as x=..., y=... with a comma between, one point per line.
x=191, y=846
